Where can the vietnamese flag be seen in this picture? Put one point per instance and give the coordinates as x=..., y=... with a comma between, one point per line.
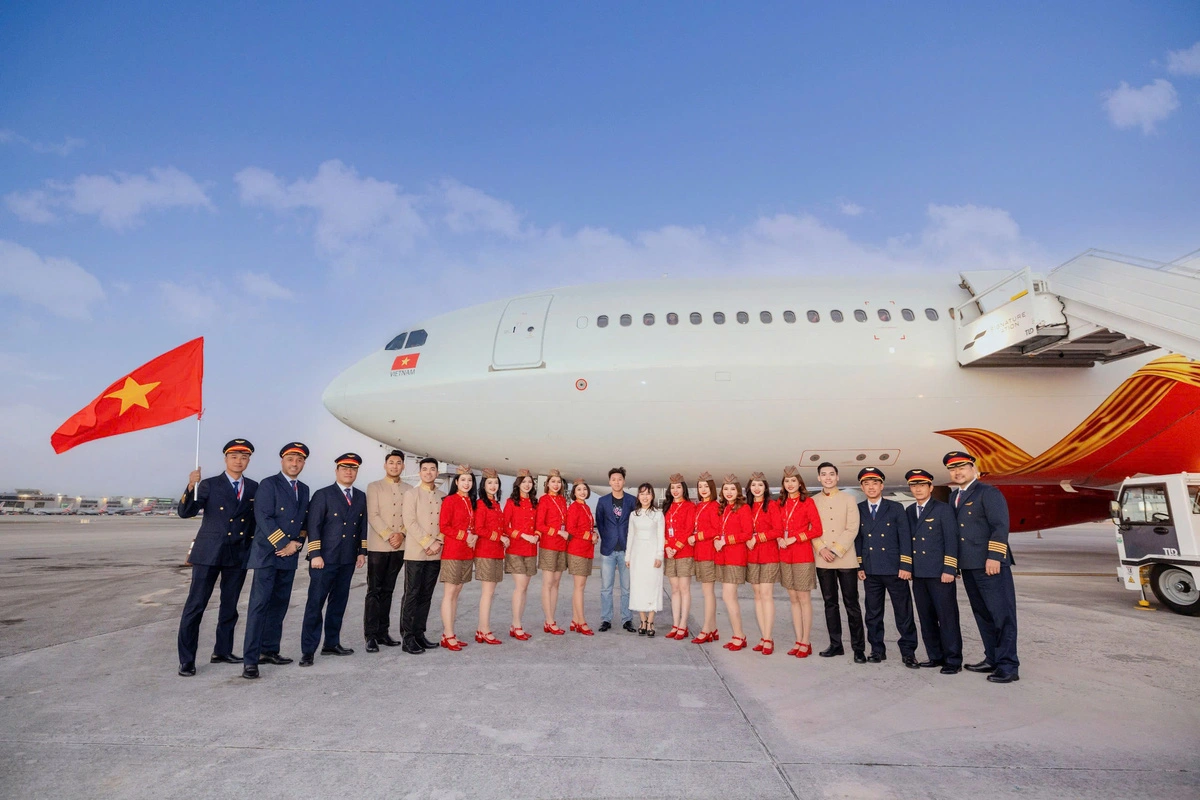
x=405, y=361
x=161, y=391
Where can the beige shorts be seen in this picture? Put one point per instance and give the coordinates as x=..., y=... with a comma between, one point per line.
x=552, y=560
x=798, y=577
x=456, y=571
x=763, y=573
x=490, y=570
x=705, y=571
x=520, y=565
x=579, y=565
x=678, y=567
x=731, y=573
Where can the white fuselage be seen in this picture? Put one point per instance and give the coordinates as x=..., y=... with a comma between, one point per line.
x=503, y=384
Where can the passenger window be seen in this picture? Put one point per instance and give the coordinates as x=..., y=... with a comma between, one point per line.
x=742, y=317
x=397, y=343
x=647, y=319
x=672, y=319
x=626, y=320
x=860, y=315
x=719, y=317
x=789, y=317
x=1146, y=505
x=931, y=314
x=835, y=315
x=695, y=318
x=907, y=314
x=885, y=315
x=813, y=316
x=416, y=338
x=602, y=321
x=765, y=317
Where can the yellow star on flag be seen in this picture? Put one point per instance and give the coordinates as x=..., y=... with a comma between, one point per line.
x=404, y=362
x=133, y=394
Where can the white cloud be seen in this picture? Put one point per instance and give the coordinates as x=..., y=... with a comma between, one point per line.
x=470, y=210
x=262, y=285
x=850, y=208
x=56, y=284
x=1128, y=107
x=118, y=201
x=1184, y=62
x=190, y=303
x=63, y=148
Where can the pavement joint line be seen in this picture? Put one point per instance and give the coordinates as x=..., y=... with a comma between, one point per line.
x=87, y=638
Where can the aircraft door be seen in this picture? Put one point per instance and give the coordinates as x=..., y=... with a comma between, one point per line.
x=519, y=335
x=1147, y=528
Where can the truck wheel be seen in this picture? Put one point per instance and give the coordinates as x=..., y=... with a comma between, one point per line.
x=1176, y=589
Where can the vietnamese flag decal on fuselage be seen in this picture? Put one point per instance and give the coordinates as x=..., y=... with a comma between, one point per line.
x=404, y=364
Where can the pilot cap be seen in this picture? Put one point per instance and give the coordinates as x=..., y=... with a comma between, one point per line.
x=918, y=476
x=957, y=458
x=869, y=473
x=348, y=460
x=238, y=446
x=294, y=447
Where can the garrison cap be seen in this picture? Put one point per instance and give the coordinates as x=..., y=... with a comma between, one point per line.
x=730, y=478
x=918, y=476
x=348, y=460
x=790, y=472
x=957, y=458
x=524, y=473
x=675, y=477
x=463, y=469
x=294, y=447
x=868, y=473
x=553, y=474
x=488, y=472
x=238, y=446
x=758, y=476
x=580, y=482
x=705, y=476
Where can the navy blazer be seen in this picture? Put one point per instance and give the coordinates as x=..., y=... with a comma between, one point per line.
x=614, y=530
x=228, y=525
x=982, y=514
x=337, y=530
x=280, y=517
x=935, y=539
x=884, y=544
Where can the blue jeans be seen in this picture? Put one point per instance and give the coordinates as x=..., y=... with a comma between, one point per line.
x=609, y=567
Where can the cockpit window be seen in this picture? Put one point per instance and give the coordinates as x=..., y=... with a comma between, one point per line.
x=397, y=343
x=416, y=338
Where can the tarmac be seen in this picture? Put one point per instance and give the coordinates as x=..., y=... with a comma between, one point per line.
x=90, y=706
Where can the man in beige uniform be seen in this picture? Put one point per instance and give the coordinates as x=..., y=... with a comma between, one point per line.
x=837, y=563
x=385, y=550
x=421, y=509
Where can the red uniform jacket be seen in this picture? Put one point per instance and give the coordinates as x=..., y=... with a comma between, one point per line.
x=519, y=518
x=456, y=521
x=707, y=526
x=582, y=527
x=552, y=515
x=735, y=529
x=765, y=526
x=680, y=524
x=801, y=519
x=489, y=524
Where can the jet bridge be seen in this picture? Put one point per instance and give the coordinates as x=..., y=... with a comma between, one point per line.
x=1096, y=308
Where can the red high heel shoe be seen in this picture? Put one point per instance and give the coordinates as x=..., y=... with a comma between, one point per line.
x=733, y=645
x=519, y=634
x=446, y=643
x=582, y=627
x=795, y=651
x=683, y=634
x=552, y=627
x=671, y=635
x=758, y=647
x=486, y=638
x=704, y=638
x=803, y=650
x=768, y=647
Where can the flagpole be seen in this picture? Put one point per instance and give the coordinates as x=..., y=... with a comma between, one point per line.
x=198, y=416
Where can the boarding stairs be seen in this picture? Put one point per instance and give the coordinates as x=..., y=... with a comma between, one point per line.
x=1096, y=308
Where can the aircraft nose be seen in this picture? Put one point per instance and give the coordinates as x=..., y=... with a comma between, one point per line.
x=334, y=397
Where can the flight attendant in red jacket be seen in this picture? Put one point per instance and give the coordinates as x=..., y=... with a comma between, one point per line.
x=799, y=523
x=762, y=561
x=456, y=527
x=489, y=551
x=552, y=555
x=520, y=558
x=581, y=550
x=705, y=528
x=732, y=554
x=679, y=515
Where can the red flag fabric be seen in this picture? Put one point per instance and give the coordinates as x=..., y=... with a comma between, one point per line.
x=405, y=361
x=160, y=391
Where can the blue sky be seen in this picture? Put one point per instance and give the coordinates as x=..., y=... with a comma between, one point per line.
x=299, y=184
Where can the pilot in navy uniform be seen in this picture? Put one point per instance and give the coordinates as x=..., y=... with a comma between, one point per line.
x=337, y=545
x=935, y=564
x=986, y=565
x=884, y=545
x=280, y=513
x=219, y=551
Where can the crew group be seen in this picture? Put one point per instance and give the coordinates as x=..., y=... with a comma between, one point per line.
x=731, y=534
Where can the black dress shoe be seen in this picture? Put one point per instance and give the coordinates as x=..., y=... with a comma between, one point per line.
x=338, y=650
x=412, y=646
x=274, y=658
x=605, y=626
x=187, y=670
x=876, y=658
x=387, y=641
x=250, y=672
x=230, y=659
x=629, y=627
x=859, y=657
x=1004, y=677
x=950, y=670
x=831, y=651
x=930, y=663
x=910, y=662
x=372, y=646
x=306, y=659
x=427, y=644
x=982, y=666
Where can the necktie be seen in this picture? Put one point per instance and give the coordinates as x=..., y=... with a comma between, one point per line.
x=295, y=491
x=237, y=489
x=873, y=508
x=920, y=510
x=957, y=497
x=349, y=498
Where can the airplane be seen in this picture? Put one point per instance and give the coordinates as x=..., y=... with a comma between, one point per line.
x=730, y=376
